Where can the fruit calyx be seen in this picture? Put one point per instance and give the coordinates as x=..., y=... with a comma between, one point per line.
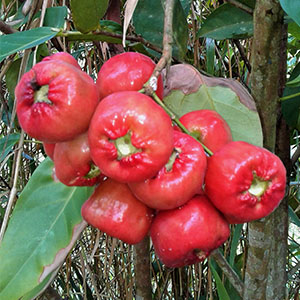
x=200, y=254
x=124, y=146
x=172, y=159
x=93, y=172
x=258, y=186
x=41, y=93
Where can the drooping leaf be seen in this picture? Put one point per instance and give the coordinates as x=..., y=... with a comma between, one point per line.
x=210, y=56
x=7, y=143
x=234, y=243
x=226, y=22
x=148, y=19
x=55, y=16
x=129, y=10
x=45, y=224
x=11, y=43
x=87, y=14
x=292, y=8
x=291, y=107
x=293, y=216
x=41, y=287
x=222, y=292
x=11, y=76
x=188, y=90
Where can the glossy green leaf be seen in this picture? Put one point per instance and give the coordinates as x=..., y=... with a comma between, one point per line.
x=226, y=22
x=11, y=43
x=148, y=19
x=292, y=8
x=55, y=16
x=222, y=292
x=7, y=143
x=87, y=14
x=43, y=227
x=226, y=103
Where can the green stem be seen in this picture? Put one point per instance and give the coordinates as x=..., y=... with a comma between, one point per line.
x=176, y=120
x=289, y=97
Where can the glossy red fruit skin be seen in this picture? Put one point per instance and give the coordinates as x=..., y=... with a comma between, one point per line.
x=230, y=173
x=63, y=56
x=187, y=234
x=172, y=188
x=113, y=209
x=212, y=129
x=73, y=162
x=70, y=101
x=151, y=133
x=49, y=149
x=127, y=71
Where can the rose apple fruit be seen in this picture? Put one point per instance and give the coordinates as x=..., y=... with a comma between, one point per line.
x=113, y=209
x=209, y=127
x=127, y=71
x=179, y=180
x=55, y=101
x=245, y=182
x=63, y=56
x=73, y=165
x=130, y=136
x=187, y=234
x=49, y=149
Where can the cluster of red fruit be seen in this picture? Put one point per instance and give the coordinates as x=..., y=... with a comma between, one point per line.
x=149, y=176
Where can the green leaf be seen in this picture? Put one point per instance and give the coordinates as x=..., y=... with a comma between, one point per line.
x=55, y=16
x=294, y=30
x=210, y=56
x=294, y=83
x=293, y=217
x=235, y=241
x=87, y=14
x=148, y=19
x=11, y=43
x=12, y=75
x=111, y=26
x=180, y=29
x=7, y=143
x=292, y=8
x=188, y=90
x=43, y=228
x=226, y=22
x=40, y=288
x=220, y=286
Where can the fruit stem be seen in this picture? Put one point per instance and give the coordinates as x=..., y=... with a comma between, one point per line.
x=41, y=94
x=176, y=120
x=172, y=158
x=124, y=146
x=258, y=186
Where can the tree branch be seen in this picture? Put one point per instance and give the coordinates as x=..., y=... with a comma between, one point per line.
x=6, y=29
x=232, y=276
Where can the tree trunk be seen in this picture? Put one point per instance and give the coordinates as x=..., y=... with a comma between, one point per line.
x=142, y=270
x=265, y=276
